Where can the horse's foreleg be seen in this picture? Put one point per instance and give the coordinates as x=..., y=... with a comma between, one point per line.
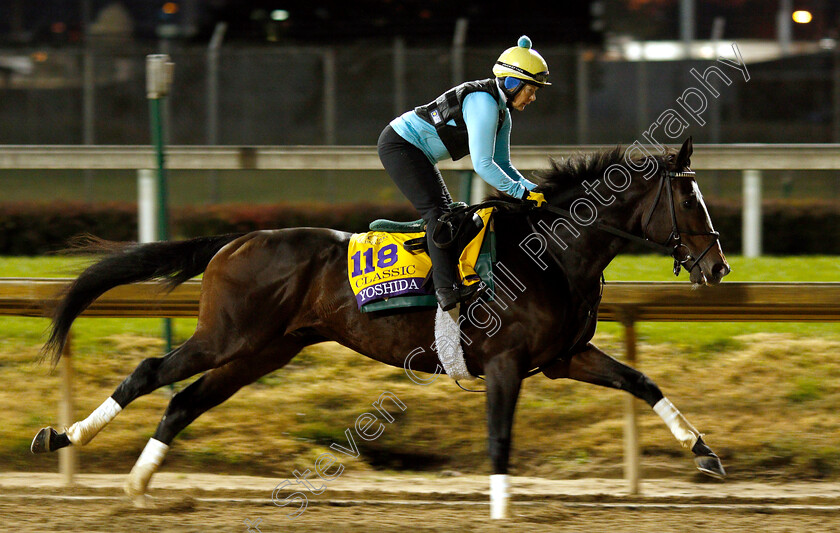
x=206, y=392
x=503, y=384
x=151, y=374
x=596, y=367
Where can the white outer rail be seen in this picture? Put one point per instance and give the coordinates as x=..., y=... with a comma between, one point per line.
x=751, y=159
x=183, y=157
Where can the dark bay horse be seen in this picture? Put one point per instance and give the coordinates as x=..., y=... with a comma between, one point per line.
x=267, y=294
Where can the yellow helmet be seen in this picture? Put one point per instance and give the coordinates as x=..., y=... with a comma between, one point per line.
x=523, y=63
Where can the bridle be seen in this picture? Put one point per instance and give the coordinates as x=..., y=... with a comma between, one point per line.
x=673, y=245
x=674, y=240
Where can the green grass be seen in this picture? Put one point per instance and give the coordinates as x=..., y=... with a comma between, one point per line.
x=623, y=268
x=709, y=335
x=796, y=268
x=41, y=267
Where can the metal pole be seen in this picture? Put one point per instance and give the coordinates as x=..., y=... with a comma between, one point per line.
x=159, y=71
x=714, y=106
x=751, y=223
x=687, y=25
x=582, y=98
x=642, y=120
x=784, y=27
x=399, y=76
x=67, y=458
x=88, y=95
x=329, y=96
x=470, y=190
x=458, y=41
x=632, y=470
x=16, y=24
x=465, y=187
x=213, y=100
x=330, y=107
x=835, y=93
x=156, y=113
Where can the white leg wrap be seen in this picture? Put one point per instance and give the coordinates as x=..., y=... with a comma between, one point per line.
x=448, y=344
x=80, y=433
x=498, y=496
x=676, y=422
x=146, y=465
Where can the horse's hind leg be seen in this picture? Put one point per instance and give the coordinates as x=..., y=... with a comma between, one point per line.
x=151, y=374
x=206, y=392
x=596, y=367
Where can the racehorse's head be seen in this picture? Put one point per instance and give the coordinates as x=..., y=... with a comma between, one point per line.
x=677, y=217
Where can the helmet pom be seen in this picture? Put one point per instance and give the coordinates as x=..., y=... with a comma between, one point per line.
x=524, y=42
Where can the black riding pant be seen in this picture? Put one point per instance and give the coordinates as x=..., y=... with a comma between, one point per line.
x=421, y=182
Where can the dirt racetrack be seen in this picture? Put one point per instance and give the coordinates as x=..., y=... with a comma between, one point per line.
x=386, y=502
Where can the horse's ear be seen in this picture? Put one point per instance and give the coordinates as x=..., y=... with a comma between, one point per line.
x=684, y=157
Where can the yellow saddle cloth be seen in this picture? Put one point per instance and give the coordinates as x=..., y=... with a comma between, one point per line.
x=380, y=268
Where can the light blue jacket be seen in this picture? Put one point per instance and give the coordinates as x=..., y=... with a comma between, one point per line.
x=489, y=151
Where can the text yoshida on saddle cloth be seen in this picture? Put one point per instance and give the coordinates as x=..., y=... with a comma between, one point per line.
x=379, y=267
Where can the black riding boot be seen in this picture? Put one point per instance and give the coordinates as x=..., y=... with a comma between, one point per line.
x=448, y=291
x=443, y=270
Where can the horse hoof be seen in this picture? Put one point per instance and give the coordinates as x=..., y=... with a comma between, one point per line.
x=48, y=440
x=41, y=442
x=141, y=501
x=706, y=460
x=710, y=465
x=138, y=499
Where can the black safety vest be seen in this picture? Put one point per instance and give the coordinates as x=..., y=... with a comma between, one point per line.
x=447, y=107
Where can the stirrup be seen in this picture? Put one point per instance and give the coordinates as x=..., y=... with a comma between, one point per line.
x=467, y=292
x=447, y=297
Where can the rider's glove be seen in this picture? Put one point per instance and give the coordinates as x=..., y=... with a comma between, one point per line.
x=536, y=197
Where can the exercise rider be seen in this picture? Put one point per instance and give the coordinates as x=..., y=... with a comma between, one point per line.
x=473, y=118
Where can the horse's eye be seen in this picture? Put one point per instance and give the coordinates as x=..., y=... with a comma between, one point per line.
x=689, y=203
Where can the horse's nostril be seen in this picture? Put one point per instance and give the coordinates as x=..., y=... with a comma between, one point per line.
x=720, y=270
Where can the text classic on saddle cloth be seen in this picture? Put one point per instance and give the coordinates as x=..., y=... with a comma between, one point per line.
x=379, y=267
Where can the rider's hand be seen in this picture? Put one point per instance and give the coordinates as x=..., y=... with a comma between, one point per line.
x=536, y=197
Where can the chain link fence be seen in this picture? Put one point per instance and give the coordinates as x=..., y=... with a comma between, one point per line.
x=282, y=95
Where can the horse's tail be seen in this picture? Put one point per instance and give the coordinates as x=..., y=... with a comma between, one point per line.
x=175, y=262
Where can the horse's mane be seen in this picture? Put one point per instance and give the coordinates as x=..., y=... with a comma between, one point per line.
x=571, y=171
x=567, y=174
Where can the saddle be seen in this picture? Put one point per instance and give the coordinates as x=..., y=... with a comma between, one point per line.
x=389, y=266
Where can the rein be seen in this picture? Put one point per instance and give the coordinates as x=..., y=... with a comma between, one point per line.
x=672, y=246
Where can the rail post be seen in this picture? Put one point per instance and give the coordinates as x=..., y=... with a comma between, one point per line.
x=632, y=470
x=67, y=458
x=147, y=206
x=751, y=223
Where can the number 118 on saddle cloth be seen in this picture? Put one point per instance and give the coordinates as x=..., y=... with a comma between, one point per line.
x=379, y=267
